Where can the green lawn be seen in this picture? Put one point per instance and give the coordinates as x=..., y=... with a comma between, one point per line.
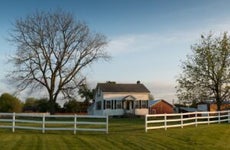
x=123, y=134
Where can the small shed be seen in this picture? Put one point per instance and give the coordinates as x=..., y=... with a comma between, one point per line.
x=160, y=107
x=212, y=106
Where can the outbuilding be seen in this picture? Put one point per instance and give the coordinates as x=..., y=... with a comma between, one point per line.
x=160, y=107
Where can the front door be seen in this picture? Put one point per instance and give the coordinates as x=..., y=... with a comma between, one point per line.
x=128, y=106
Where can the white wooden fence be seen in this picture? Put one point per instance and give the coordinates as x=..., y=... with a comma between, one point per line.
x=46, y=122
x=165, y=121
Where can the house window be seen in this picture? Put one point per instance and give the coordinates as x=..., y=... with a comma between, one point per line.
x=144, y=104
x=98, y=105
x=118, y=104
x=108, y=104
x=137, y=104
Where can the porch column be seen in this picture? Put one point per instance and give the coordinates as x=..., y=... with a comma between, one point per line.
x=115, y=104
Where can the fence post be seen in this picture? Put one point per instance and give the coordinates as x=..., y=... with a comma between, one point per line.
x=196, y=119
x=208, y=118
x=218, y=116
x=13, y=123
x=181, y=119
x=165, y=118
x=43, y=123
x=107, y=124
x=228, y=116
x=146, y=119
x=75, y=124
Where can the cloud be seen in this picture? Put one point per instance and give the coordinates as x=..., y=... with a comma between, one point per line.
x=144, y=42
x=162, y=90
x=130, y=43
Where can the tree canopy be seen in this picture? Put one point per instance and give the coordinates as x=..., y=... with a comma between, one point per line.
x=52, y=51
x=10, y=103
x=206, y=72
x=38, y=105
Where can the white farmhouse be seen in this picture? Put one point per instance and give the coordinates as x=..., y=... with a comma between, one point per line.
x=120, y=99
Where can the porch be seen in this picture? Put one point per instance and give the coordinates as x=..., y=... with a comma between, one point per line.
x=126, y=106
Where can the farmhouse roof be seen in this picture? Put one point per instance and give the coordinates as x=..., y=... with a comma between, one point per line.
x=114, y=87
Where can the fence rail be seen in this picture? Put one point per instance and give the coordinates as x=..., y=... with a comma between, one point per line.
x=45, y=122
x=165, y=121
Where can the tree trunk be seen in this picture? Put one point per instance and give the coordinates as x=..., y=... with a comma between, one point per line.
x=218, y=97
x=52, y=105
x=218, y=102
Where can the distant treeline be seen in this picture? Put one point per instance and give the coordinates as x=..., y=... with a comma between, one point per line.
x=10, y=103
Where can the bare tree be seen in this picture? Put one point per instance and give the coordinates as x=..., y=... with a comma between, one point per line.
x=52, y=50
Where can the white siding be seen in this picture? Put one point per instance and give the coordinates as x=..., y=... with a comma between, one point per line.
x=141, y=112
x=138, y=96
x=100, y=96
x=113, y=112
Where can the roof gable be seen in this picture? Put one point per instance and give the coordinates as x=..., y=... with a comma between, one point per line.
x=113, y=87
x=129, y=97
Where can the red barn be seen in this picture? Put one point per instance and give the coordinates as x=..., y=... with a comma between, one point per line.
x=160, y=107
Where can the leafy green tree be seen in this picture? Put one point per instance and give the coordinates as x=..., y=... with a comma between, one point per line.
x=206, y=72
x=72, y=106
x=43, y=105
x=87, y=95
x=85, y=92
x=52, y=51
x=151, y=97
x=39, y=105
x=9, y=103
x=30, y=104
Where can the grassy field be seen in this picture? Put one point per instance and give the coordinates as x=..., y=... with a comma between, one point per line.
x=125, y=134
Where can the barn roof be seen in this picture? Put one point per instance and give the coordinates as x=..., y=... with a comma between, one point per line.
x=114, y=87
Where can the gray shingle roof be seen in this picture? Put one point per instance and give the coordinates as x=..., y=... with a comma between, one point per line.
x=113, y=87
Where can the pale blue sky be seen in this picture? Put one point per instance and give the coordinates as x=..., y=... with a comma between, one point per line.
x=148, y=38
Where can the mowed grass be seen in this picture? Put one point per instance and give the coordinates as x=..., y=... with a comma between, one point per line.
x=124, y=134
